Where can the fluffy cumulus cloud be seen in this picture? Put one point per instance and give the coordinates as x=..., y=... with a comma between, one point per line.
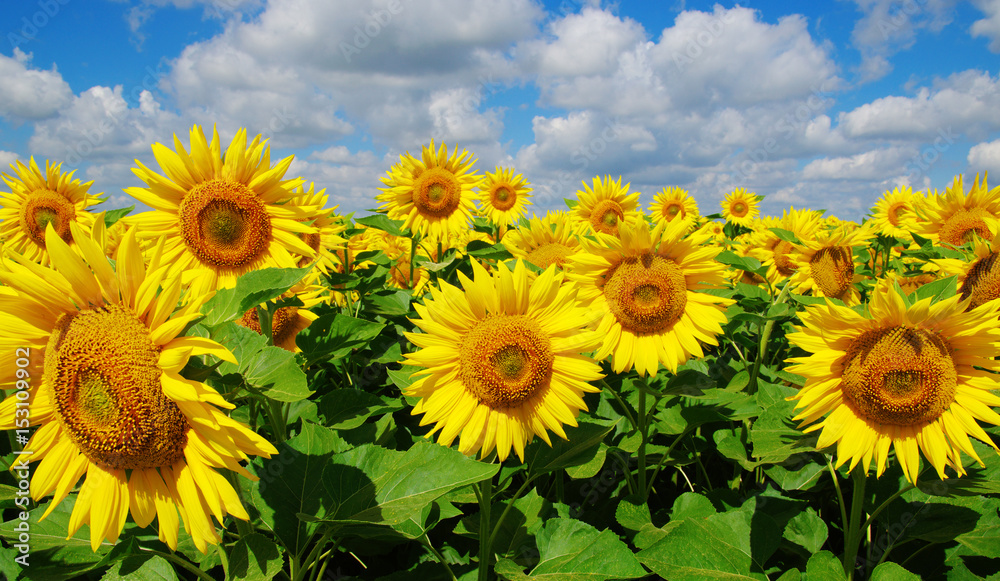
x=27, y=93
x=887, y=27
x=989, y=25
x=985, y=157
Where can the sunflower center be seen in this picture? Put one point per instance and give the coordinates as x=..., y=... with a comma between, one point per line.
x=899, y=376
x=505, y=359
x=739, y=209
x=282, y=323
x=437, y=193
x=832, y=270
x=670, y=211
x=503, y=197
x=44, y=207
x=606, y=216
x=103, y=369
x=895, y=213
x=963, y=225
x=647, y=294
x=550, y=253
x=982, y=282
x=225, y=224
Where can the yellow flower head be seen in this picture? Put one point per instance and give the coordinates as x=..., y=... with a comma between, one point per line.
x=740, y=207
x=607, y=205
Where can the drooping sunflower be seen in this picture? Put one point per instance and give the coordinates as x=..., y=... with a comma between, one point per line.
x=226, y=215
x=501, y=362
x=38, y=199
x=432, y=195
x=545, y=241
x=914, y=377
x=287, y=322
x=673, y=203
x=740, y=207
x=607, y=205
x=824, y=263
x=954, y=217
x=979, y=277
x=643, y=286
x=894, y=214
x=503, y=196
x=110, y=402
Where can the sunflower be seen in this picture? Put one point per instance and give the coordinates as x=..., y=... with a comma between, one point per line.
x=643, y=289
x=500, y=361
x=673, y=203
x=893, y=215
x=36, y=200
x=740, y=207
x=111, y=402
x=503, y=196
x=606, y=206
x=226, y=215
x=287, y=322
x=432, y=195
x=824, y=263
x=545, y=241
x=328, y=228
x=715, y=231
x=912, y=376
x=778, y=254
x=955, y=217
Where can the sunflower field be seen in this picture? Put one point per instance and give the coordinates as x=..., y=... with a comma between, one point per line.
x=242, y=383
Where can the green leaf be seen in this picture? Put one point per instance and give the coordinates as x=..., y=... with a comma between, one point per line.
x=483, y=249
x=786, y=235
x=334, y=336
x=746, y=263
x=346, y=409
x=389, y=303
x=382, y=222
x=938, y=290
x=253, y=288
x=523, y=521
x=892, y=572
x=580, y=447
x=983, y=541
x=373, y=485
x=572, y=550
x=141, y=568
x=112, y=216
x=807, y=530
x=591, y=468
x=716, y=547
x=823, y=566
x=276, y=372
x=691, y=505
x=255, y=558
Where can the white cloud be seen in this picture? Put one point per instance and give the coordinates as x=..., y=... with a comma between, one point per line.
x=989, y=26
x=27, y=93
x=985, y=157
x=6, y=159
x=890, y=26
x=876, y=164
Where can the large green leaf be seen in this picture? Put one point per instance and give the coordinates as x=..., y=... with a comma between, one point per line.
x=382, y=222
x=523, y=520
x=823, y=566
x=334, y=336
x=276, y=372
x=580, y=447
x=807, y=530
x=346, y=409
x=572, y=550
x=716, y=547
x=141, y=568
x=254, y=558
x=371, y=485
x=253, y=288
x=892, y=572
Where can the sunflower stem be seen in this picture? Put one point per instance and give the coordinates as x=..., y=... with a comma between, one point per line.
x=621, y=402
x=243, y=528
x=275, y=416
x=437, y=555
x=853, y=531
x=643, y=425
x=182, y=562
x=765, y=337
x=485, y=549
x=264, y=319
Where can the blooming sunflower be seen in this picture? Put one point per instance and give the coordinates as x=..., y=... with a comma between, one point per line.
x=912, y=376
x=955, y=217
x=432, y=195
x=825, y=264
x=545, y=241
x=740, y=207
x=777, y=254
x=111, y=402
x=643, y=287
x=503, y=196
x=37, y=200
x=225, y=215
x=673, y=203
x=606, y=205
x=328, y=228
x=893, y=215
x=500, y=362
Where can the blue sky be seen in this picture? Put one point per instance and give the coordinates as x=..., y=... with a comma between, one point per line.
x=827, y=106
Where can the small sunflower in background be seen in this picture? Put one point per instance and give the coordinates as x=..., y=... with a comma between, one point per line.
x=954, y=218
x=287, y=322
x=824, y=263
x=915, y=377
x=740, y=207
x=643, y=287
x=228, y=214
x=543, y=242
x=111, y=403
x=432, y=195
x=37, y=199
x=328, y=228
x=500, y=360
x=673, y=203
x=606, y=206
x=894, y=213
x=503, y=197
